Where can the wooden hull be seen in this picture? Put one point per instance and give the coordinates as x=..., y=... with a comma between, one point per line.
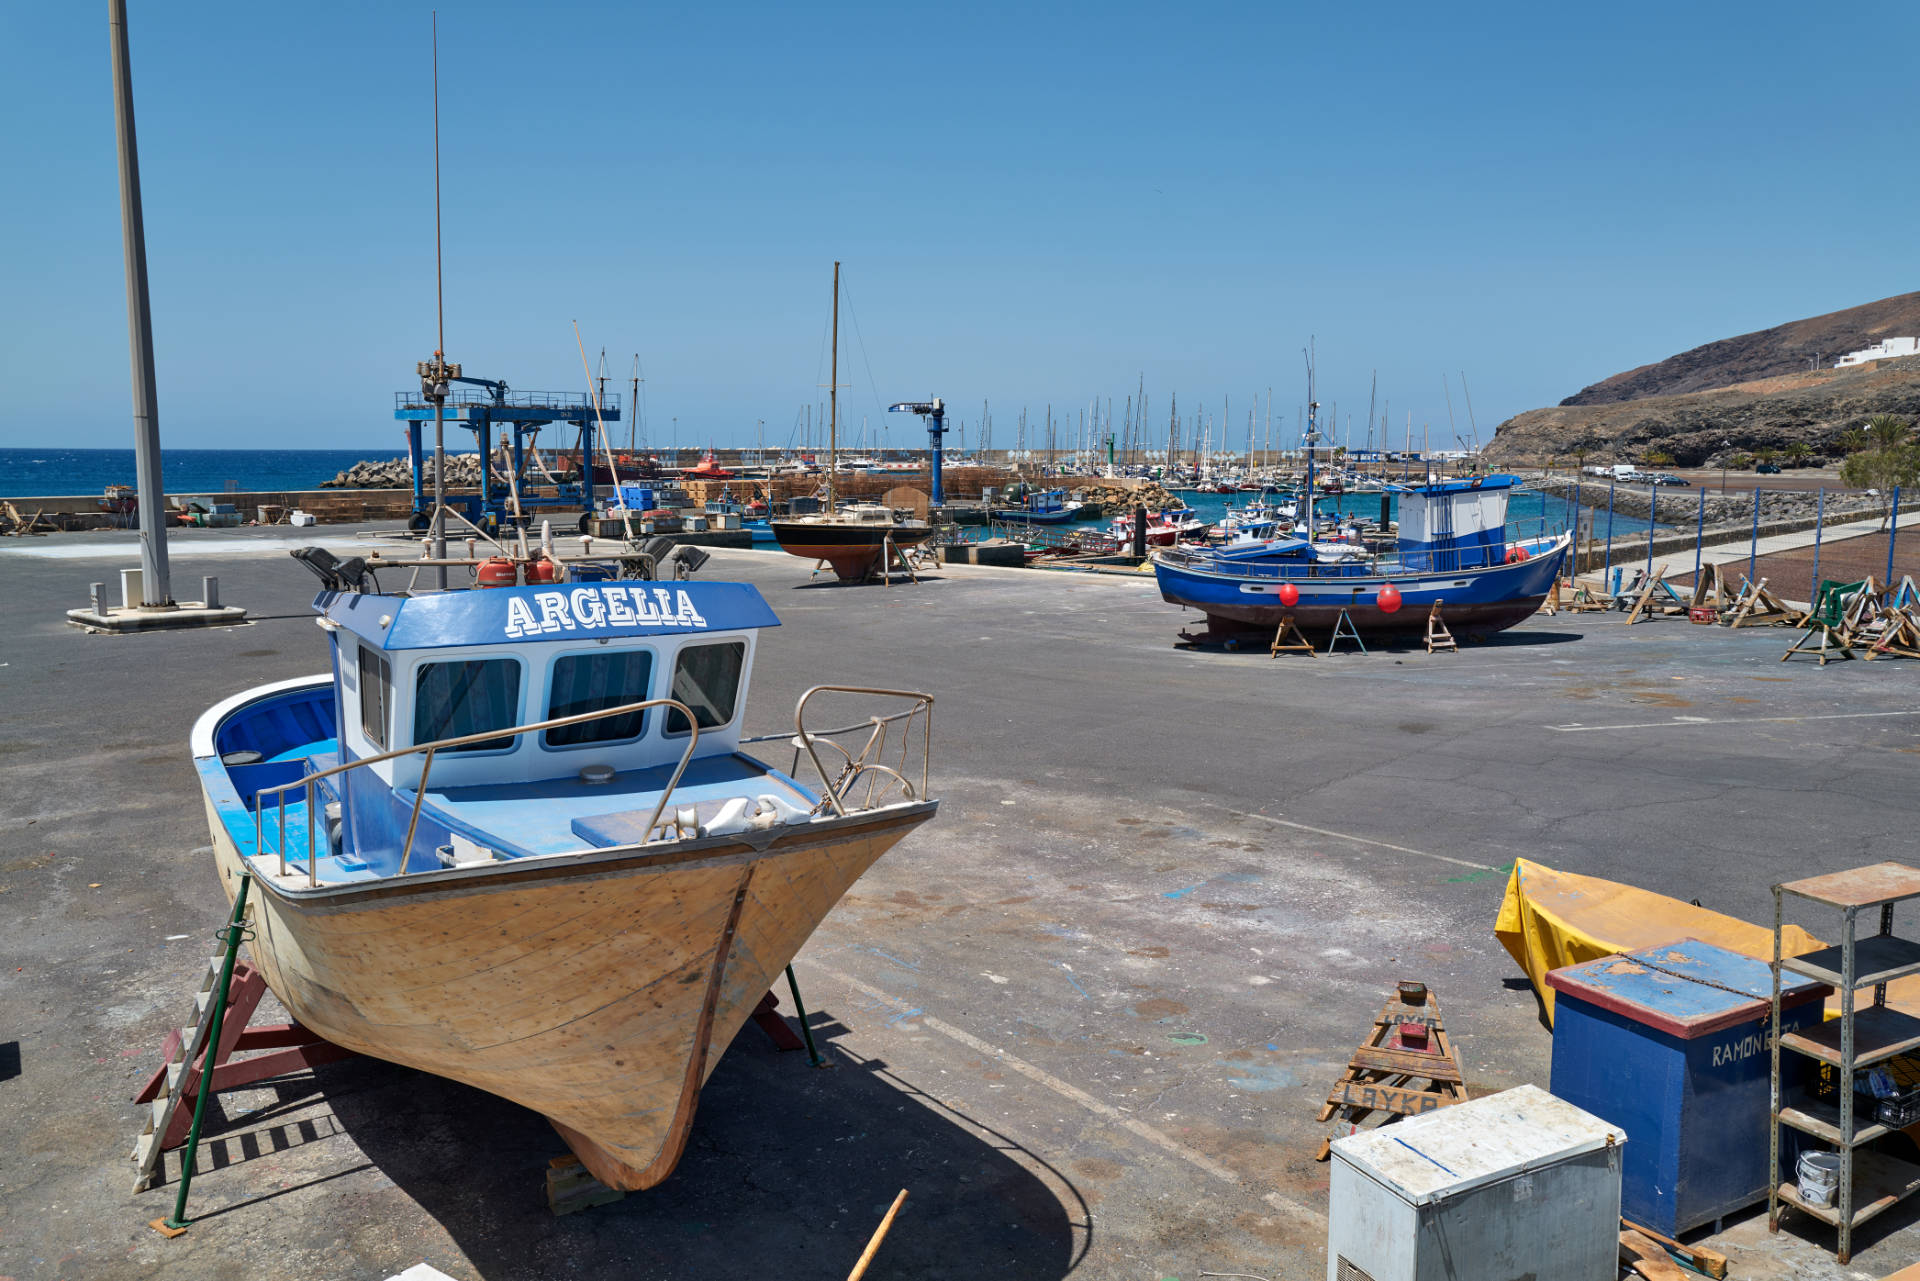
x=853, y=549
x=597, y=989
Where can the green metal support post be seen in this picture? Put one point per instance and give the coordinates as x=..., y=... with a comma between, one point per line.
x=176, y=1223
x=800, y=1009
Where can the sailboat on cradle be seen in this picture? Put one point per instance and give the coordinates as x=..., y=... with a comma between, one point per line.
x=854, y=537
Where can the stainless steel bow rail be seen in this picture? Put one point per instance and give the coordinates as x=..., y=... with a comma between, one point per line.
x=420, y=790
x=837, y=787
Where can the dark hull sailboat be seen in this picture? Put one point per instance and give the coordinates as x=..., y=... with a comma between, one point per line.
x=853, y=546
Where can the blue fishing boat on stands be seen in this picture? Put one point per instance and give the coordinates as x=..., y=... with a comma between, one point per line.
x=1454, y=550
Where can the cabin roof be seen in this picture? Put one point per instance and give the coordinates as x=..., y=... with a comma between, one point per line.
x=561, y=612
x=1500, y=480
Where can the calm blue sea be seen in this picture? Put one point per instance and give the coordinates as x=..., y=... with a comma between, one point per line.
x=30, y=472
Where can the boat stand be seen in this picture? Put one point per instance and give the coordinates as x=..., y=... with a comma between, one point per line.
x=1299, y=645
x=1343, y=629
x=197, y=1060
x=1438, y=637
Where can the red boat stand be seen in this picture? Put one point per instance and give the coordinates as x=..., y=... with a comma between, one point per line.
x=292, y=1048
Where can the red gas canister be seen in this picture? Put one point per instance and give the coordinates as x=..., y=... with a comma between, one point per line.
x=542, y=570
x=497, y=571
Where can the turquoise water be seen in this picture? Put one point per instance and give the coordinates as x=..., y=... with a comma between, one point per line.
x=1529, y=512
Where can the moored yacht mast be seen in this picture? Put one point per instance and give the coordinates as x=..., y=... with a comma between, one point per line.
x=833, y=400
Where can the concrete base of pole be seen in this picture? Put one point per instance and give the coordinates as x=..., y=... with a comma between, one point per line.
x=142, y=619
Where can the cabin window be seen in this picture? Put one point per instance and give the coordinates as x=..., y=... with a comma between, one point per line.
x=707, y=679
x=452, y=700
x=376, y=693
x=591, y=683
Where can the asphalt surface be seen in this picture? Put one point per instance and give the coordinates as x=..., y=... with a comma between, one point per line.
x=1086, y=1016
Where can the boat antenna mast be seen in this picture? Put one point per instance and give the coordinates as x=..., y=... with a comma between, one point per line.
x=1312, y=435
x=436, y=373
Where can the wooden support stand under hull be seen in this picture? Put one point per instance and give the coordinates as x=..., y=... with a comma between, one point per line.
x=590, y=988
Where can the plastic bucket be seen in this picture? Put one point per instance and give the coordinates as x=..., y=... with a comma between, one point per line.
x=1819, y=1177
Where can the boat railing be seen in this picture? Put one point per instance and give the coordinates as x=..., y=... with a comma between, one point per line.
x=1440, y=561
x=314, y=817
x=867, y=765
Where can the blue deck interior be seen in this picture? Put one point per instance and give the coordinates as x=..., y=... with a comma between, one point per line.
x=545, y=817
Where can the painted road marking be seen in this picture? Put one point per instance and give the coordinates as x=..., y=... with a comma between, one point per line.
x=1362, y=840
x=1198, y=1160
x=1680, y=721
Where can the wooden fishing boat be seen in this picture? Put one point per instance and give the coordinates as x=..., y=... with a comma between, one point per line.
x=512, y=838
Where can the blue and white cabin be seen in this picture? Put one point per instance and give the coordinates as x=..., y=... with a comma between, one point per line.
x=1454, y=524
x=412, y=670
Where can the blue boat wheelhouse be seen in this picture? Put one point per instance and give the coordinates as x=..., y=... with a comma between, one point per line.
x=1040, y=507
x=475, y=665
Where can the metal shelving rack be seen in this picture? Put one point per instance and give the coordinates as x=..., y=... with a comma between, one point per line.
x=1869, y=1181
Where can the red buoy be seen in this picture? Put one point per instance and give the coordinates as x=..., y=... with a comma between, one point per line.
x=1389, y=599
x=497, y=571
x=1289, y=595
x=1516, y=554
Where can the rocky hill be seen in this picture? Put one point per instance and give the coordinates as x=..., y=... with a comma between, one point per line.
x=1785, y=349
x=1696, y=428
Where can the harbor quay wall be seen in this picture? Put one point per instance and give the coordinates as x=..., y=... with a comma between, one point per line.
x=328, y=506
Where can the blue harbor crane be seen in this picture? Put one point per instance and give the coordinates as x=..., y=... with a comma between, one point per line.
x=935, y=412
x=526, y=412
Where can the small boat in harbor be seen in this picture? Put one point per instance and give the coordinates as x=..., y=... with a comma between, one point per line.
x=857, y=538
x=1454, y=549
x=511, y=837
x=1165, y=528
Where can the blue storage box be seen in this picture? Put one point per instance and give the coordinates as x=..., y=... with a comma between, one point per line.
x=1670, y=1044
x=635, y=498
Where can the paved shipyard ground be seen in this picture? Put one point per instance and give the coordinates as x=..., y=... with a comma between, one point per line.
x=1087, y=1016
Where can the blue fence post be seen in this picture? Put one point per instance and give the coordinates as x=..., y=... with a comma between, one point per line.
x=1699, y=537
x=1819, y=528
x=1606, y=572
x=1753, y=548
x=1893, y=528
x=1653, y=518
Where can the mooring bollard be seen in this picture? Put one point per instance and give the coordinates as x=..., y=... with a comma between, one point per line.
x=210, y=592
x=99, y=592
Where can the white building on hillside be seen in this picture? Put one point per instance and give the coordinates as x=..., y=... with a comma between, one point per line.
x=1885, y=349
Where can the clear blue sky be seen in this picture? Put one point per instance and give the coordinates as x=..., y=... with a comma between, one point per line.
x=1034, y=203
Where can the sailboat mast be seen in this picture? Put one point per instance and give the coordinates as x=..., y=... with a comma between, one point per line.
x=833, y=398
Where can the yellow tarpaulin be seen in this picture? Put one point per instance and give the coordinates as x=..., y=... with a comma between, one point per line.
x=1550, y=919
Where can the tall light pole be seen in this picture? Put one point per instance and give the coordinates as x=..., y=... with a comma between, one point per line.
x=1725, y=445
x=156, y=588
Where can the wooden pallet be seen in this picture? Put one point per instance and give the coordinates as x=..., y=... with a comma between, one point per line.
x=1406, y=1066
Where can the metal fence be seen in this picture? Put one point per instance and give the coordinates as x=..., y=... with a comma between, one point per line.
x=1818, y=537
